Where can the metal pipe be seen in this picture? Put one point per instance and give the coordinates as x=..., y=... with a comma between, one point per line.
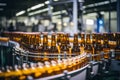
x=50, y=10
x=118, y=15
x=75, y=15
x=109, y=27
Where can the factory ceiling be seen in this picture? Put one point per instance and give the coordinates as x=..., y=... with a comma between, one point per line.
x=9, y=8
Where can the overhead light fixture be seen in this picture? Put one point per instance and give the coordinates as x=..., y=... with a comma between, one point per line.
x=47, y=2
x=102, y=12
x=20, y=13
x=98, y=4
x=56, y=0
x=39, y=11
x=89, y=21
x=3, y=4
x=35, y=7
x=81, y=0
x=56, y=13
x=54, y=17
x=1, y=9
x=59, y=12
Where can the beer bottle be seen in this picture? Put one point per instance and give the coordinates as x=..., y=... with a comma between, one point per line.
x=53, y=49
x=25, y=71
x=82, y=42
x=8, y=73
x=88, y=48
x=59, y=36
x=17, y=73
x=70, y=64
x=82, y=36
x=55, y=67
x=40, y=71
x=97, y=47
x=64, y=48
x=48, y=68
x=60, y=65
x=76, y=48
x=106, y=47
x=2, y=73
x=45, y=47
x=112, y=40
x=117, y=48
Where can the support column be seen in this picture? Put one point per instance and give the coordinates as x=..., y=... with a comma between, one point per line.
x=62, y=21
x=75, y=16
x=50, y=10
x=109, y=27
x=118, y=15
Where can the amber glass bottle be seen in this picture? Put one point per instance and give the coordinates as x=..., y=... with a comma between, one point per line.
x=64, y=48
x=53, y=49
x=7, y=74
x=106, y=47
x=112, y=40
x=76, y=47
x=40, y=71
x=59, y=37
x=117, y=48
x=97, y=47
x=93, y=39
x=82, y=42
x=82, y=35
x=38, y=41
x=45, y=47
x=88, y=48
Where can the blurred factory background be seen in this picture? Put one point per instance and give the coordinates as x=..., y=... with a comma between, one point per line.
x=60, y=15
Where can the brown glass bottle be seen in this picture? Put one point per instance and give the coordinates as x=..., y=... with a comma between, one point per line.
x=112, y=40
x=53, y=49
x=88, y=48
x=97, y=47
x=17, y=73
x=64, y=50
x=59, y=38
x=45, y=47
x=93, y=39
x=76, y=47
x=117, y=48
x=82, y=35
x=82, y=42
x=106, y=47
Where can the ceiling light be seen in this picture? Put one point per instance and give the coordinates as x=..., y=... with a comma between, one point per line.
x=39, y=11
x=47, y=2
x=59, y=12
x=89, y=21
x=56, y=16
x=102, y=12
x=81, y=0
x=3, y=4
x=56, y=13
x=20, y=13
x=56, y=0
x=35, y=7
